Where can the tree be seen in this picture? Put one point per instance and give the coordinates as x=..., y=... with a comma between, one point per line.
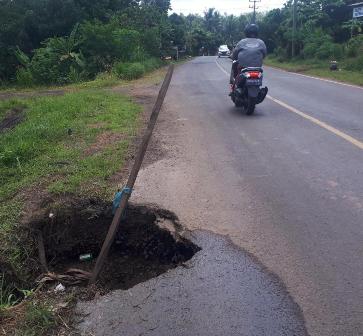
x=162, y=5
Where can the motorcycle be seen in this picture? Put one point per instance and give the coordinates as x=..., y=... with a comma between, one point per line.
x=246, y=91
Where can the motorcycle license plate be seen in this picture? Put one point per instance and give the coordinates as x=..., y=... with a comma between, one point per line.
x=253, y=82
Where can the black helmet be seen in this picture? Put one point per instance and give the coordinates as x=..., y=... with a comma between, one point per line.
x=251, y=30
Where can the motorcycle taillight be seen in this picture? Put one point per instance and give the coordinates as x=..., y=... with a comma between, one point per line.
x=254, y=74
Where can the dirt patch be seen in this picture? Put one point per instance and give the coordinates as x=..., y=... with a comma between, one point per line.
x=149, y=241
x=141, y=94
x=145, y=95
x=12, y=118
x=103, y=140
x=30, y=94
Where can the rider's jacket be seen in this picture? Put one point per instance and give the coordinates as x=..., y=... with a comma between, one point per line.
x=250, y=52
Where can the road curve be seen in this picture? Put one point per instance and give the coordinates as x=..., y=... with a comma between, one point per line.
x=285, y=189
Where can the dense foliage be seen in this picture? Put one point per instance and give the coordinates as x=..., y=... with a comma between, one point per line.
x=56, y=42
x=324, y=29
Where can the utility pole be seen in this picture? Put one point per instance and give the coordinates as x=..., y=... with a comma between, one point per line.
x=254, y=9
x=294, y=10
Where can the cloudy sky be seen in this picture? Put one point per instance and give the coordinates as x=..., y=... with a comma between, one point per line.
x=224, y=6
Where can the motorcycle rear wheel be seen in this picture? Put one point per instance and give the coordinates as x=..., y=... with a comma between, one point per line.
x=251, y=104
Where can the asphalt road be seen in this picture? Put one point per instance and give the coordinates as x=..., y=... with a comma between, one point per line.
x=221, y=291
x=286, y=185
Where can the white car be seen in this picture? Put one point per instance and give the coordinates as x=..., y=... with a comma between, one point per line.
x=223, y=50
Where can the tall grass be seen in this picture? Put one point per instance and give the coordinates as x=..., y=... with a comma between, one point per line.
x=7, y=297
x=135, y=70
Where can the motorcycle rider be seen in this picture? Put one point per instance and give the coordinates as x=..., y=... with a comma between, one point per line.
x=249, y=52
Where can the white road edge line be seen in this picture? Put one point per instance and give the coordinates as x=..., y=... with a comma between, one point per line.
x=221, y=68
x=317, y=78
x=322, y=124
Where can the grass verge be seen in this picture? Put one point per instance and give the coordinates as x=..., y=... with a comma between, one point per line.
x=65, y=144
x=68, y=145
x=318, y=69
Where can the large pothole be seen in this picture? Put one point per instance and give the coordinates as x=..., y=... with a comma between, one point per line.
x=222, y=290
x=148, y=243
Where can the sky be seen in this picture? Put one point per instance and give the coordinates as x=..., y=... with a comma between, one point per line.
x=224, y=6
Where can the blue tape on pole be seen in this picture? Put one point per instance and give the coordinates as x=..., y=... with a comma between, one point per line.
x=118, y=198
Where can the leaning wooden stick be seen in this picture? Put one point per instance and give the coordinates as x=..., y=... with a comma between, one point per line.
x=41, y=251
x=132, y=178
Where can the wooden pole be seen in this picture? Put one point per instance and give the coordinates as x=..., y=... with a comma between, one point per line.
x=132, y=178
x=41, y=251
x=254, y=10
x=293, y=49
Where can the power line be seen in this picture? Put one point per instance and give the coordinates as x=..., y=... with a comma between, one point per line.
x=254, y=9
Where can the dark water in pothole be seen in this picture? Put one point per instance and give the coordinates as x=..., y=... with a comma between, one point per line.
x=221, y=291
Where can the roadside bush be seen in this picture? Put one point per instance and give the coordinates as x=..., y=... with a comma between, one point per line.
x=152, y=64
x=309, y=50
x=329, y=50
x=24, y=77
x=45, y=67
x=74, y=76
x=323, y=51
x=355, y=64
x=280, y=54
x=151, y=41
x=59, y=61
x=337, y=51
x=128, y=43
x=50, y=67
x=103, y=44
x=355, y=46
x=318, y=44
x=129, y=71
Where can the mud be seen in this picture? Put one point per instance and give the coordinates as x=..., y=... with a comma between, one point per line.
x=31, y=94
x=12, y=118
x=148, y=243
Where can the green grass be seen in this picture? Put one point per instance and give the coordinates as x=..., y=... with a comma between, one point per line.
x=56, y=132
x=7, y=105
x=38, y=320
x=49, y=149
x=318, y=69
x=7, y=297
x=103, y=80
